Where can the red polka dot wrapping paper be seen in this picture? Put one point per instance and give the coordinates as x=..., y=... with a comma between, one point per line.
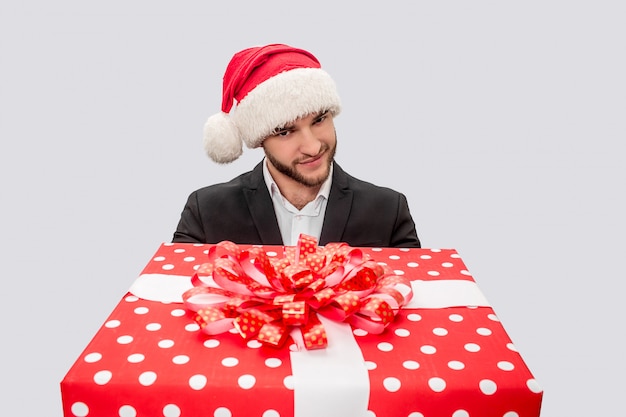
x=150, y=359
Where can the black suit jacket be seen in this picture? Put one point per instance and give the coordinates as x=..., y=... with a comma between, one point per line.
x=241, y=211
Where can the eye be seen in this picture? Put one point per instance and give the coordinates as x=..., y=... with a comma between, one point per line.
x=280, y=132
x=320, y=118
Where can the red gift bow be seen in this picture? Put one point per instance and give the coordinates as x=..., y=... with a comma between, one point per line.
x=266, y=297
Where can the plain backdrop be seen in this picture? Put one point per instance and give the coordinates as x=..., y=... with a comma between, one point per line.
x=504, y=124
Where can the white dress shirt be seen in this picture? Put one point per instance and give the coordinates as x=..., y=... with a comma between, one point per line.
x=291, y=221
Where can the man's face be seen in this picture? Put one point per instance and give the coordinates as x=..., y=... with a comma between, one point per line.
x=303, y=150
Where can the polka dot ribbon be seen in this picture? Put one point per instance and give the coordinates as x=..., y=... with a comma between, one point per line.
x=266, y=297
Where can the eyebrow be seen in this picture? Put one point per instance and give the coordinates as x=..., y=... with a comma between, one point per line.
x=322, y=113
x=291, y=125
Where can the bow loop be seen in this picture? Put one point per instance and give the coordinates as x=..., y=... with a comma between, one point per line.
x=266, y=297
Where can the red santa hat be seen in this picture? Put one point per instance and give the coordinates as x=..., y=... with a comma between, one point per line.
x=266, y=88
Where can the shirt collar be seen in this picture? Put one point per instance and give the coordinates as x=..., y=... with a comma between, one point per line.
x=272, y=187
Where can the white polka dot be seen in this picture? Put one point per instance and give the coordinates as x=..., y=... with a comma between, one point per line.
x=487, y=386
x=246, y=381
x=455, y=318
x=402, y=332
x=178, y=312
x=112, y=324
x=254, y=344
x=460, y=413
x=411, y=365
x=426, y=257
x=435, y=250
x=211, y=343
x=412, y=264
x=165, y=343
x=359, y=332
x=131, y=299
x=180, y=250
x=428, y=349
x=135, y=358
x=153, y=327
x=273, y=362
x=102, y=377
x=235, y=331
x=398, y=272
x=370, y=365
x=222, y=412
x=93, y=357
x=456, y=365
x=192, y=327
x=385, y=347
x=141, y=310
x=483, y=331
x=159, y=258
x=270, y=413
x=124, y=340
x=447, y=264
x=394, y=257
x=510, y=414
x=414, y=317
x=171, y=410
x=433, y=273
x=465, y=272
x=511, y=347
x=80, y=409
x=167, y=267
x=437, y=384
x=180, y=359
x=197, y=382
x=189, y=259
x=288, y=382
x=271, y=253
x=391, y=384
x=506, y=366
x=147, y=378
x=472, y=347
x=376, y=249
x=440, y=331
x=493, y=317
x=534, y=386
x=230, y=362
x=416, y=414
x=455, y=255
x=127, y=411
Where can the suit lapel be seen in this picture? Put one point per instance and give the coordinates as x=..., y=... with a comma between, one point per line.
x=337, y=209
x=261, y=208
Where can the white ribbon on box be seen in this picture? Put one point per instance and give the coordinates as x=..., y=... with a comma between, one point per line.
x=324, y=379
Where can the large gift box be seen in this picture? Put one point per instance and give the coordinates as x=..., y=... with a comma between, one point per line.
x=441, y=352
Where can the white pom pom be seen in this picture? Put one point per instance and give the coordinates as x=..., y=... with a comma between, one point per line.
x=222, y=140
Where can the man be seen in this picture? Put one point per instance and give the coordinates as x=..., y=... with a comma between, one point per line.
x=277, y=97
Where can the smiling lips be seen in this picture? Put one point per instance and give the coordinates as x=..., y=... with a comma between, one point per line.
x=310, y=161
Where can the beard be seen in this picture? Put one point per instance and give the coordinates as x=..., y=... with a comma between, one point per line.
x=291, y=171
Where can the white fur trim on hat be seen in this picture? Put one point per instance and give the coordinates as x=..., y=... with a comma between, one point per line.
x=282, y=99
x=222, y=139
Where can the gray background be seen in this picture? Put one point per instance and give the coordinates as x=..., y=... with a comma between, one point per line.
x=502, y=122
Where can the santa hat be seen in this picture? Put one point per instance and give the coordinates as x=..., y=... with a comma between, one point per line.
x=266, y=88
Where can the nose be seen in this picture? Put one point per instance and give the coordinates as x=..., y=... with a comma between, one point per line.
x=309, y=143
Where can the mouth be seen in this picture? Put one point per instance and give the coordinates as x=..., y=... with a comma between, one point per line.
x=312, y=160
